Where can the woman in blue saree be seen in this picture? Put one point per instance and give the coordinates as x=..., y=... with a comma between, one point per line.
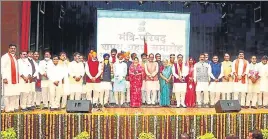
x=165, y=77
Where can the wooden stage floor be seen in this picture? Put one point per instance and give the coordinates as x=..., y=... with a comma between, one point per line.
x=150, y=111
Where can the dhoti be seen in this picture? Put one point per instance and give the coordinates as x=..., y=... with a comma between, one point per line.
x=152, y=85
x=202, y=86
x=179, y=87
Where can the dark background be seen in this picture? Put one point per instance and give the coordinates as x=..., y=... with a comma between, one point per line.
x=208, y=33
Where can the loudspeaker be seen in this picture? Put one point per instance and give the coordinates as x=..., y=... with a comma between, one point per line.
x=223, y=106
x=79, y=106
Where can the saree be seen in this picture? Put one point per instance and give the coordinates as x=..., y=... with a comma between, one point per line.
x=190, y=97
x=165, y=87
x=136, y=75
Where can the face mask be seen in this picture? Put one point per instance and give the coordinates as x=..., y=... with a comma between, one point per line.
x=106, y=61
x=121, y=60
x=46, y=59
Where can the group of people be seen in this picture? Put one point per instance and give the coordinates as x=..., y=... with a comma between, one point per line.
x=122, y=80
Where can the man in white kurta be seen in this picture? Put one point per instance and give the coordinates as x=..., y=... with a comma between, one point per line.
x=120, y=72
x=38, y=94
x=43, y=66
x=25, y=80
x=202, y=71
x=253, y=82
x=263, y=68
x=240, y=69
x=55, y=76
x=227, y=80
x=76, y=73
x=10, y=76
x=180, y=71
x=34, y=75
x=152, y=82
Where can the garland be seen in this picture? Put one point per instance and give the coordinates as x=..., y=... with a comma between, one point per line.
x=102, y=126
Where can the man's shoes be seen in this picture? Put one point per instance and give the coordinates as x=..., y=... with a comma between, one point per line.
x=37, y=107
x=45, y=108
x=246, y=107
x=24, y=110
x=16, y=110
x=254, y=107
x=106, y=105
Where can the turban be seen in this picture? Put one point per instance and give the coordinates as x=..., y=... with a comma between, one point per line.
x=91, y=54
x=106, y=54
x=126, y=54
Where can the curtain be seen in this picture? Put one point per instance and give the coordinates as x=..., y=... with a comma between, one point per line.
x=25, y=25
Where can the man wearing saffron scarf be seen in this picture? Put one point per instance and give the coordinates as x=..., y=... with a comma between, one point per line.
x=253, y=82
x=25, y=81
x=240, y=70
x=76, y=73
x=152, y=82
x=128, y=62
x=43, y=66
x=106, y=77
x=215, y=80
x=227, y=80
x=179, y=72
x=202, y=71
x=93, y=72
x=10, y=76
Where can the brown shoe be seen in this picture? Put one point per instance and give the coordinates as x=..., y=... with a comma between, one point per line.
x=254, y=107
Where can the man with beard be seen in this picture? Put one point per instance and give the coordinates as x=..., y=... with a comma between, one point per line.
x=144, y=60
x=106, y=77
x=253, y=82
x=64, y=63
x=38, y=90
x=215, y=80
x=25, y=80
x=93, y=72
x=160, y=64
x=10, y=76
x=43, y=66
x=201, y=78
x=227, y=79
x=152, y=82
x=34, y=75
x=263, y=66
x=76, y=72
x=179, y=87
x=128, y=62
x=240, y=70
x=120, y=72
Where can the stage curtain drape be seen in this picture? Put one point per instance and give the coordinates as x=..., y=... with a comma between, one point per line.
x=25, y=25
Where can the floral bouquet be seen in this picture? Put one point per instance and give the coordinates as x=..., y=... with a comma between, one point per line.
x=82, y=135
x=207, y=136
x=146, y=136
x=10, y=133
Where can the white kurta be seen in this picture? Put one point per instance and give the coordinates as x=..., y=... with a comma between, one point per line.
x=239, y=86
x=216, y=86
x=180, y=87
x=151, y=85
x=253, y=69
x=120, y=72
x=106, y=85
x=25, y=69
x=264, y=77
x=54, y=73
x=9, y=89
x=65, y=71
x=36, y=74
x=43, y=66
x=76, y=69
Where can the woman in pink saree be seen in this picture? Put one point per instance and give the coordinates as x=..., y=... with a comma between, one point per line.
x=190, y=97
x=136, y=75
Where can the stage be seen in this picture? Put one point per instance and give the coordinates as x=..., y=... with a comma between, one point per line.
x=127, y=123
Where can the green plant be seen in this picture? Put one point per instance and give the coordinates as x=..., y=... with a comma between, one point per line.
x=82, y=135
x=207, y=136
x=146, y=136
x=264, y=133
x=9, y=133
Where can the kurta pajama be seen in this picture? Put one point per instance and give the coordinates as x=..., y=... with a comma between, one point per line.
x=152, y=83
x=253, y=88
x=215, y=88
x=120, y=72
x=263, y=84
x=227, y=83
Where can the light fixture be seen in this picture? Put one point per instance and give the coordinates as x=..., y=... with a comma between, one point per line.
x=107, y=2
x=140, y=3
x=186, y=4
x=169, y=2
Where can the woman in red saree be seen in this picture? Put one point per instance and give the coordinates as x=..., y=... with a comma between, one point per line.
x=136, y=74
x=190, y=97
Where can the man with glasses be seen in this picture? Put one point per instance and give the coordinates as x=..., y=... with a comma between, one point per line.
x=9, y=71
x=43, y=67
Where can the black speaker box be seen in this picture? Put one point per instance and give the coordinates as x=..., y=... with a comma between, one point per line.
x=79, y=106
x=225, y=106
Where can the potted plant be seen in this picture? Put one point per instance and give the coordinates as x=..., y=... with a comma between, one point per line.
x=144, y=135
x=82, y=135
x=9, y=133
x=207, y=136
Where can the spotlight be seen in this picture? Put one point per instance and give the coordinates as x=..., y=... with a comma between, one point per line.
x=107, y=2
x=186, y=4
x=206, y=3
x=223, y=4
x=169, y=2
x=140, y=3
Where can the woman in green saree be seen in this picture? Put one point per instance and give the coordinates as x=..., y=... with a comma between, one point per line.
x=165, y=74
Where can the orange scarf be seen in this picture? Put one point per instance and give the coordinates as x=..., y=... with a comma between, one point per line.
x=244, y=69
x=13, y=69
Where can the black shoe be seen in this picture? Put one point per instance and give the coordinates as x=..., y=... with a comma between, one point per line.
x=253, y=107
x=45, y=108
x=52, y=109
x=37, y=106
x=106, y=105
x=16, y=110
x=24, y=110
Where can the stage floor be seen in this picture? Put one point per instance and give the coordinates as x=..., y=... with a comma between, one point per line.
x=149, y=111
